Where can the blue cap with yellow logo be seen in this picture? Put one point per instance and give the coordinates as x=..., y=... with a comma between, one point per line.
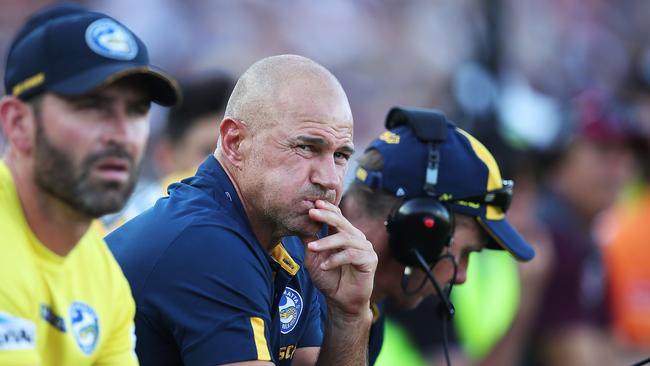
x=469, y=181
x=70, y=51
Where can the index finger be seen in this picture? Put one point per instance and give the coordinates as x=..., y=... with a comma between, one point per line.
x=327, y=205
x=331, y=215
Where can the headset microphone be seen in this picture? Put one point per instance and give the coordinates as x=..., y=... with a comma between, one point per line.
x=445, y=308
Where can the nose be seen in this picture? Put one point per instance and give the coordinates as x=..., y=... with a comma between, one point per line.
x=461, y=272
x=325, y=173
x=117, y=127
x=461, y=277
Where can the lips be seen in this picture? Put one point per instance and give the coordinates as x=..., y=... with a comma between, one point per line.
x=115, y=169
x=314, y=199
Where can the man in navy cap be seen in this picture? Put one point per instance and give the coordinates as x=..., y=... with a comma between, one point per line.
x=427, y=194
x=78, y=91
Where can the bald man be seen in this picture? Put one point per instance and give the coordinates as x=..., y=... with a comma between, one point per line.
x=211, y=281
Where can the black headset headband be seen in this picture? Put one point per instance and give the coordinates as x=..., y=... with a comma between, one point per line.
x=429, y=126
x=420, y=121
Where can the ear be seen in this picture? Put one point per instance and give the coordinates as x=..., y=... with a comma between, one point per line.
x=18, y=124
x=232, y=134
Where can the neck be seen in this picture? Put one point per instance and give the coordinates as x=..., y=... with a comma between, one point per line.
x=55, y=224
x=261, y=228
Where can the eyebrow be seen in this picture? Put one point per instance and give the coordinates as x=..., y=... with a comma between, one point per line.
x=318, y=141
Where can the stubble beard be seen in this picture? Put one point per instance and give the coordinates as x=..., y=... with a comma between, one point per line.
x=292, y=218
x=56, y=174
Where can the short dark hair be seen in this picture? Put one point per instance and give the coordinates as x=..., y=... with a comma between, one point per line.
x=374, y=203
x=200, y=98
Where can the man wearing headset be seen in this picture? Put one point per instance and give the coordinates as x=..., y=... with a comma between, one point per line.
x=426, y=194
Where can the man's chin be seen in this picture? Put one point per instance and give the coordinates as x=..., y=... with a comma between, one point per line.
x=109, y=199
x=306, y=230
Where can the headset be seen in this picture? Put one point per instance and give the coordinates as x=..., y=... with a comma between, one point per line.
x=423, y=224
x=420, y=228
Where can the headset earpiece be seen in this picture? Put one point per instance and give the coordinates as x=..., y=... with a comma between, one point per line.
x=421, y=223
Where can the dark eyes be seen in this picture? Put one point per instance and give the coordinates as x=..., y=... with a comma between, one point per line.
x=339, y=156
x=87, y=104
x=305, y=147
x=138, y=109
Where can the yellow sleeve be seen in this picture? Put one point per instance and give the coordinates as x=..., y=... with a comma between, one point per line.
x=119, y=349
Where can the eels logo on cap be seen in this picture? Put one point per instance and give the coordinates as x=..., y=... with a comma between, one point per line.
x=109, y=39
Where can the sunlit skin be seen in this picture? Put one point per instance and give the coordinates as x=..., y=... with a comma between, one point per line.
x=292, y=157
x=74, y=159
x=300, y=165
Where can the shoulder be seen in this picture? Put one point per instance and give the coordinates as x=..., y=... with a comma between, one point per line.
x=215, y=243
x=202, y=256
x=94, y=256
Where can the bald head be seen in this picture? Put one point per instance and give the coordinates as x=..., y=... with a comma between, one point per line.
x=265, y=92
x=285, y=142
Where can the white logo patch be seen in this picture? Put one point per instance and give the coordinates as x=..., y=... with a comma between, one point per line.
x=290, y=309
x=16, y=333
x=109, y=39
x=85, y=326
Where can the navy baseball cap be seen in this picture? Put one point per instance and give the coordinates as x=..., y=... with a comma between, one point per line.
x=469, y=180
x=68, y=50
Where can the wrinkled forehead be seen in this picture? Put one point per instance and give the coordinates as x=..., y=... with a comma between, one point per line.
x=315, y=130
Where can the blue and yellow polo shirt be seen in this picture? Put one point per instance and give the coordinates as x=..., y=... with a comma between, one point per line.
x=206, y=291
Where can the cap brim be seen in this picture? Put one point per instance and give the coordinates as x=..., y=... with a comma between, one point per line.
x=508, y=238
x=164, y=89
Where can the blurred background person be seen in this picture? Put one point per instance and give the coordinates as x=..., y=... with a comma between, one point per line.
x=585, y=177
x=623, y=235
x=192, y=127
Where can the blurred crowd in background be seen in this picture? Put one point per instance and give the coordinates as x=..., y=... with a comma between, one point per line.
x=558, y=90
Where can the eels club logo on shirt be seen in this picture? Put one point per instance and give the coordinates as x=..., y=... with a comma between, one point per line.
x=290, y=309
x=85, y=326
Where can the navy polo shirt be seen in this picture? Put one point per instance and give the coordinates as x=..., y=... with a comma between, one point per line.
x=206, y=291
